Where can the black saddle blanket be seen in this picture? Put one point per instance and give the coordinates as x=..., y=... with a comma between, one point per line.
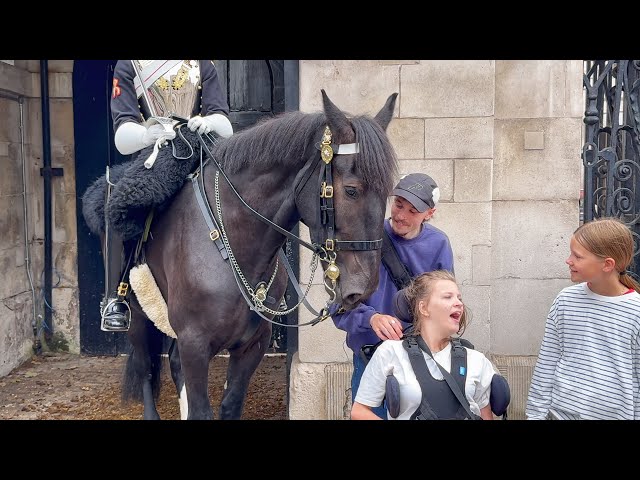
x=138, y=189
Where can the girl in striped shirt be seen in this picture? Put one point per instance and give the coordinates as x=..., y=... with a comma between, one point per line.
x=588, y=366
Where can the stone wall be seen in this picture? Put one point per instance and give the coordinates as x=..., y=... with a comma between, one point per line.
x=21, y=149
x=503, y=141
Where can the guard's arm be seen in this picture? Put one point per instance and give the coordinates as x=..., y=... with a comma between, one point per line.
x=131, y=137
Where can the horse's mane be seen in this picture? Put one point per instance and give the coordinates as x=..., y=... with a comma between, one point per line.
x=283, y=139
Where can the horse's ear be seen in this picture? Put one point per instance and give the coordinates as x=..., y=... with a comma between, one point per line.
x=385, y=115
x=337, y=120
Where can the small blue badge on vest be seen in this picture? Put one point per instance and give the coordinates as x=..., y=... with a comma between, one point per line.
x=463, y=370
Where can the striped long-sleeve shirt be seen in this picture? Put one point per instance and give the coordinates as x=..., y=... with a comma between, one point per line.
x=589, y=362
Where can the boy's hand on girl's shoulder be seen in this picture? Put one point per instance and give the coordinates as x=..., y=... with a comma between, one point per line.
x=386, y=327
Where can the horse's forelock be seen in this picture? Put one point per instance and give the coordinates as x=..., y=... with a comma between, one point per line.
x=377, y=161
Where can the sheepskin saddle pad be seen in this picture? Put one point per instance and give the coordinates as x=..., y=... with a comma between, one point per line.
x=137, y=189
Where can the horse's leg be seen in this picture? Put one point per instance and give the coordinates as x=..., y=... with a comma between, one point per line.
x=142, y=371
x=178, y=378
x=243, y=362
x=195, y=353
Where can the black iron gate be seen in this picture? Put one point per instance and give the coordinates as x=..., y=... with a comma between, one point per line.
x=611, y=150
x=255, y=89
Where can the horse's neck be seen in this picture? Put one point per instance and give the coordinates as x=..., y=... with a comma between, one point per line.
x=268, y=193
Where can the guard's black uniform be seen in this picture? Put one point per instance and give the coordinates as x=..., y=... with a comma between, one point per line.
x=125, y=106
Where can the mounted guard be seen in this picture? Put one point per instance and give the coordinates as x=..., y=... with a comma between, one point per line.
x=148, y=100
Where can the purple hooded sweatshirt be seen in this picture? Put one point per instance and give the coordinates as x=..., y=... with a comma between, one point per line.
x=428, y=251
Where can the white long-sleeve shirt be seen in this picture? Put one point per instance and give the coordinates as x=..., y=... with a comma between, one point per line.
x=589, y=362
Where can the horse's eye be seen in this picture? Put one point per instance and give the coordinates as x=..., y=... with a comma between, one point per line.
x=351, y=191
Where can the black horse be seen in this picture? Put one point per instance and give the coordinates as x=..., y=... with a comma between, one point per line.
x=282, y=170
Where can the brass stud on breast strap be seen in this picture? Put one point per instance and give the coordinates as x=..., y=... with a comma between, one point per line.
x=261, y=292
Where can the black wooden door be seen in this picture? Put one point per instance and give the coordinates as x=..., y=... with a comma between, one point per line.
x=255, y=90
x=94, y=150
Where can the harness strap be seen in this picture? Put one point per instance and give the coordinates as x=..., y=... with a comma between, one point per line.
x=424, y=412
x=398, y=271
x=294, y=281
x=450, y=381
x=343, y=148
x=143, y=239
x=458, y=363
x=358, y=245
x=327, y=212
x=214, y=229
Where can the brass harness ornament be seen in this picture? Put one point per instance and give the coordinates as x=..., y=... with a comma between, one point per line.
x=332, y=272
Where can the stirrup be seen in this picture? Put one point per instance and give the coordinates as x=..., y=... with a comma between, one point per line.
x=103, y=319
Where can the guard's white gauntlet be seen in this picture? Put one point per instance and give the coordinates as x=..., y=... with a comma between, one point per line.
x=216, y=122
x=131, y=137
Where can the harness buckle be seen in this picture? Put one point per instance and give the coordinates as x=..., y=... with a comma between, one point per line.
x=326, y=191
x=214, y=235
x=329, y=244
x=123, y=288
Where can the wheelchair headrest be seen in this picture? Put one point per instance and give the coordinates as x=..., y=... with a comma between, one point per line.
x=401, y=307
x=500, y=396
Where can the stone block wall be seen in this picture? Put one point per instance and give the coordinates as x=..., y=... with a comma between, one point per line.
x=22, y=204
x=503, y=141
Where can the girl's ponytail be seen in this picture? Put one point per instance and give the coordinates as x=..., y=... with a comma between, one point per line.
x=628, y=281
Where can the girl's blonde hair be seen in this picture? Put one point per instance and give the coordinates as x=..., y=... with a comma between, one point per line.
x=421, y=288
x=609, y=237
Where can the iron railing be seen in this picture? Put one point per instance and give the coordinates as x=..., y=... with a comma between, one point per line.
x=611, y=150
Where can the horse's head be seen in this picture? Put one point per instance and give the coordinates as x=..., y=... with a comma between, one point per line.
x=356, y=174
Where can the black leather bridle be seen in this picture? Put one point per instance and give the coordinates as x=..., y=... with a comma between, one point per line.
x=327, y=212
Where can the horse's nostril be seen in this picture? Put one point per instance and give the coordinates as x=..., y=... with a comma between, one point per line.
x=352, y=299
